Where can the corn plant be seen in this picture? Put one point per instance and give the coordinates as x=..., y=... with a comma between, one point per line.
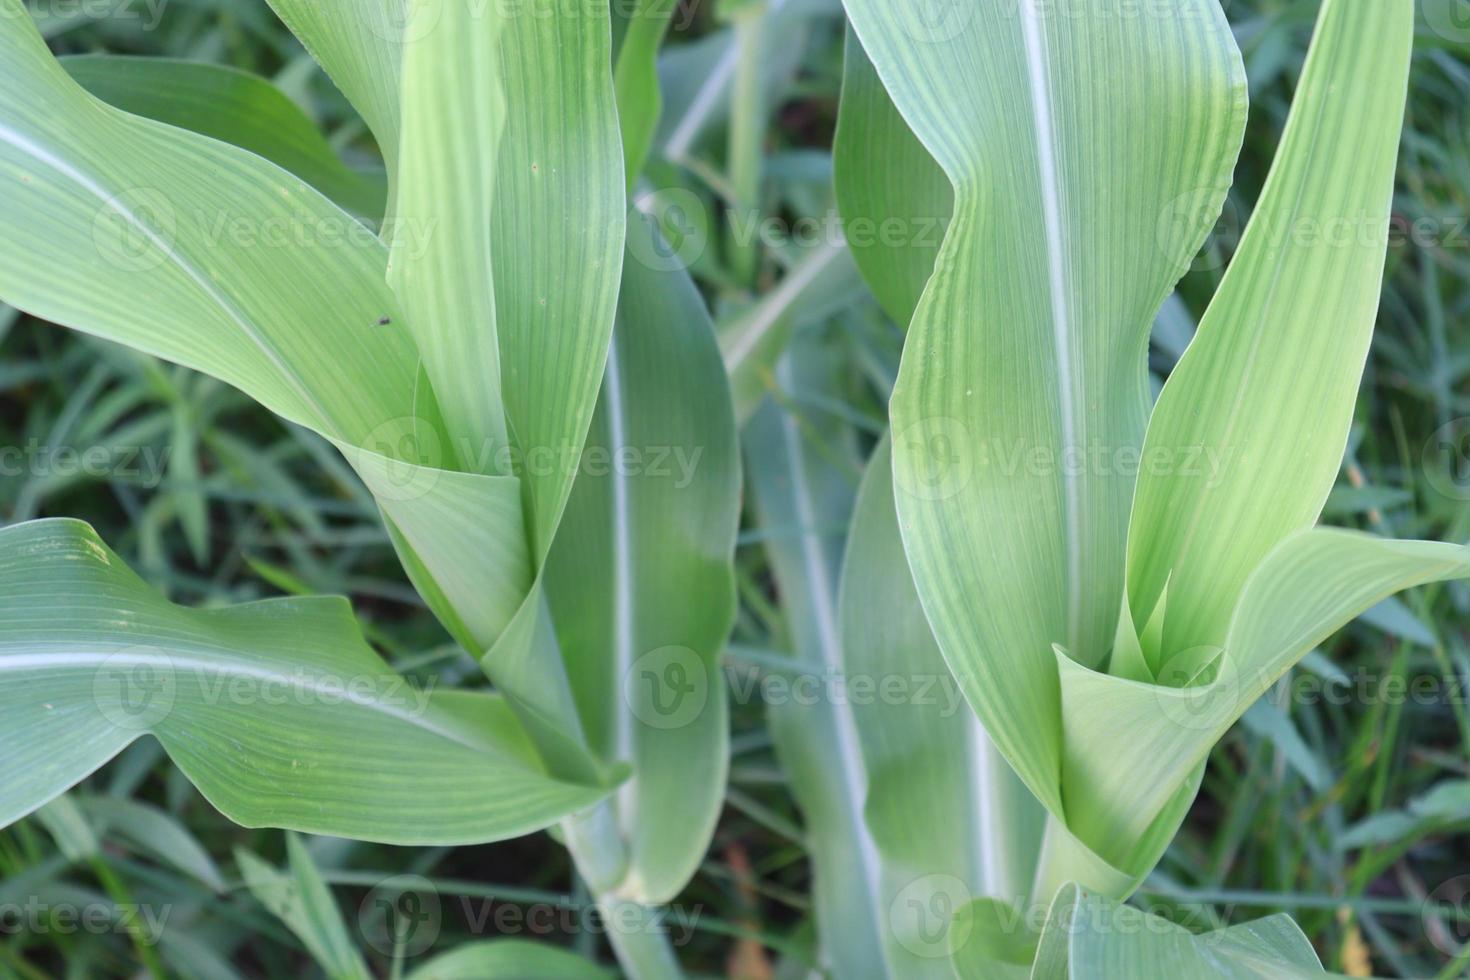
x=453, y=349
x=1093, y=583
x=1109, y=622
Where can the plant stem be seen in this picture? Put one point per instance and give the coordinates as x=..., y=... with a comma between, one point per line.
x=637, y=937
x=747, y=132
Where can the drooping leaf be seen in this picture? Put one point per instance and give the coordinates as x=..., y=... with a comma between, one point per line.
x=277, y=710
x=195, y=251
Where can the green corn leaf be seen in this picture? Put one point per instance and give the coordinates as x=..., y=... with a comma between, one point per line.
x=635, y=78
x=640, y=578
x=454, y=116
x=232, y=106
x=277, y=710
x=803, y=474
x=895, y=200
x=1306, y=589
x=1264, y=395
x=302, y=900
x=1088, y=937
x=359, y=43
x=212, y=257
x=1065, y=139
x=196, y=251
x=949, y=817
x=509, y=959
x=166, y=238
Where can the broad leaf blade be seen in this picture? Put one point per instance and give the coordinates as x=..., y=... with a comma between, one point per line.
x=454, y=114
x=187, y=248
x=558, y=231
x=277, y=710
